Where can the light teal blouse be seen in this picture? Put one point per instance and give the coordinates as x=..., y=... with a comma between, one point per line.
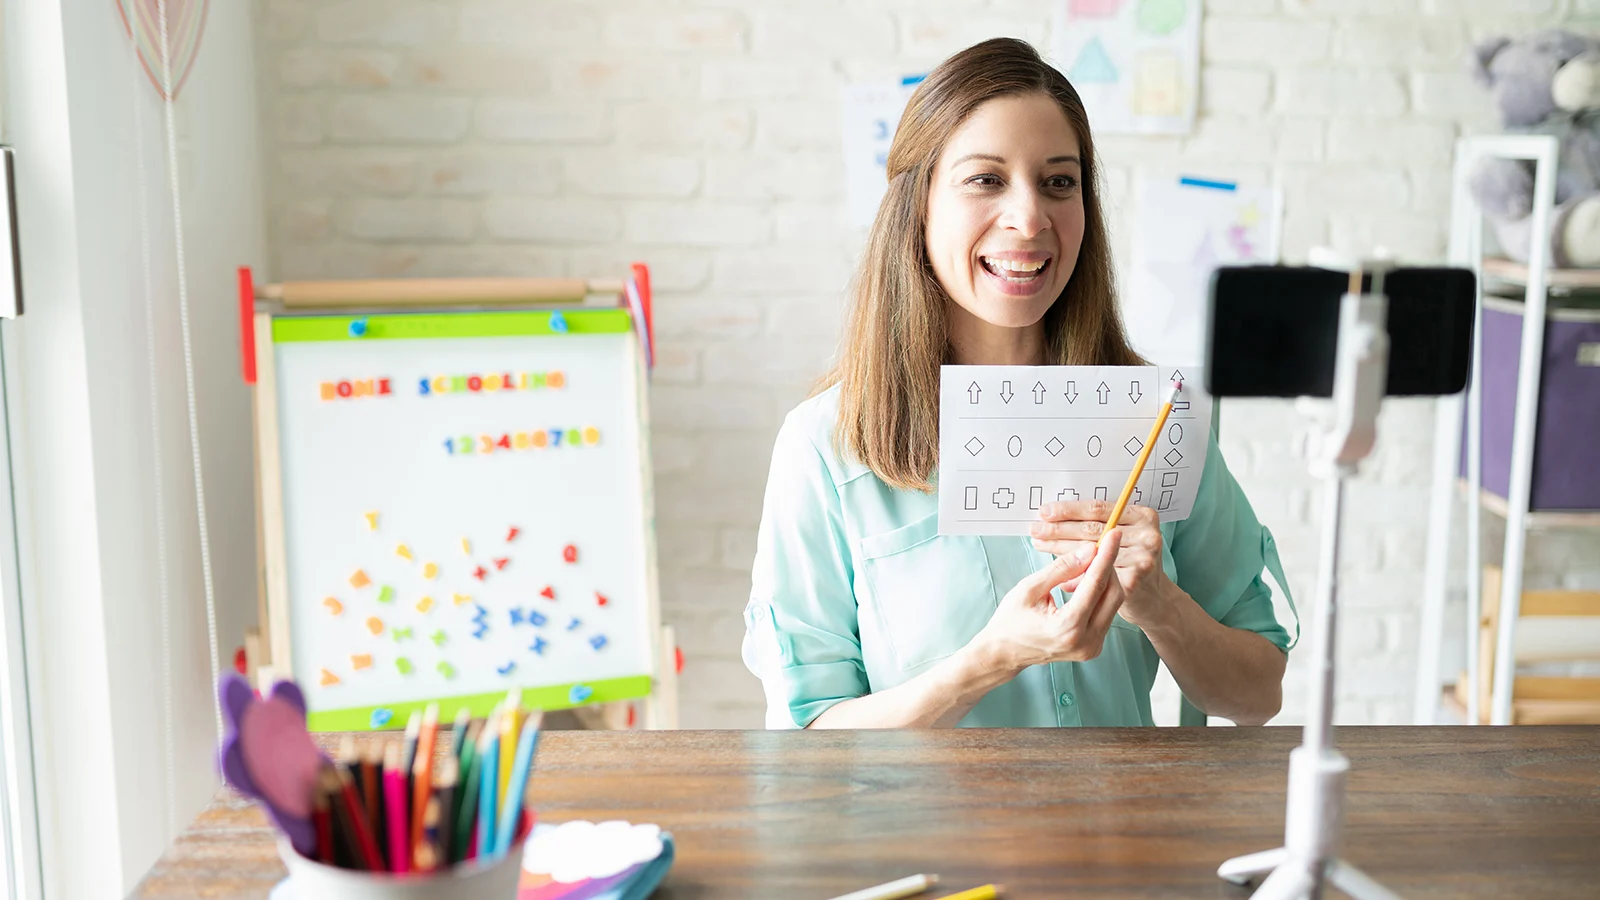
x=854, y=590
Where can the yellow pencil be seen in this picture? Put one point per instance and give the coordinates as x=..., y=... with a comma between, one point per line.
x=510, y=728
x=987, y=892
x=1138, y=464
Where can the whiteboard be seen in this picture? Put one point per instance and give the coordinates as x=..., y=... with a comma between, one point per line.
x=427, y=512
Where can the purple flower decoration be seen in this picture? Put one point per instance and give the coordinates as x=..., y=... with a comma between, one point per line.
x=268, y=754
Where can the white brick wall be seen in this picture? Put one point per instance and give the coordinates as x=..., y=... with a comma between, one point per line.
x=466, y=137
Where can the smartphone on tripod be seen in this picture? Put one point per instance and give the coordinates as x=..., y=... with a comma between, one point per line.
x=1273, y=330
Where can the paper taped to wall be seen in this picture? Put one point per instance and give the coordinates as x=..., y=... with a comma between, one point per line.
x=1012, y=438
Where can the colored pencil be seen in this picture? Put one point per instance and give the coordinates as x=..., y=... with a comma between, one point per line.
x=511, y=806
x=488, y=792
x=893, y=890
x=422, y=770
x=347, y=755
x=458, y=731
x=321, y=818
x=427, y=852
x=341, y=830
x=1138, y=463
x=372, y=793
x=408, y=760
x=363, y=840
x=427, y=856
x=444, y=791
x=350, y=761
x=394, y=791
x=408, y=750
x=510, y=728
x=467, y=806
x=987, y=892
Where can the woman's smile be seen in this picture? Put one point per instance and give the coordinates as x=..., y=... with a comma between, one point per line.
x=1018, y=273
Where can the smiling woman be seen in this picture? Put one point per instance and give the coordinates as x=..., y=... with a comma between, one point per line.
x=1004, y=233
x=989, y=249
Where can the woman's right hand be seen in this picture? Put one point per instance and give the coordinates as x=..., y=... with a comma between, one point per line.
x=1028, y=629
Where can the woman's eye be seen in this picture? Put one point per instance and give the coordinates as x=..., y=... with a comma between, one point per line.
x=984, y=180
x=1061, y=183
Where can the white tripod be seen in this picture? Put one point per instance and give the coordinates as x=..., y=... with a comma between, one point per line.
x=1309, y=855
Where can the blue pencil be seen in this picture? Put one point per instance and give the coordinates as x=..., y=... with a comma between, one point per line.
x=489, y=754
x=519, y=784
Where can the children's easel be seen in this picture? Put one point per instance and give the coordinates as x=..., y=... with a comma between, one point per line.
x=455, y=497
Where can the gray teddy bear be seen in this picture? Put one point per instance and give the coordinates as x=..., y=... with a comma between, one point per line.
x=1545, y=83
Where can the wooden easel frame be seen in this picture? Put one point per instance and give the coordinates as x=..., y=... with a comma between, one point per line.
x=269, y=660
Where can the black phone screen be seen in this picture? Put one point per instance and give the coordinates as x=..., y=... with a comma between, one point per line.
x=1272, y=330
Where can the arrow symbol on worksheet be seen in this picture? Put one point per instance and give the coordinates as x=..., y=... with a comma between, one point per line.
x=1133, y=391
x=1038, y=392
x=1005, y=391
x=1104, y=390
x=1072, y=391
x=973, y=392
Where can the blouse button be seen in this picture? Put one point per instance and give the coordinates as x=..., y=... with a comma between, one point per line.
x=1067, y=699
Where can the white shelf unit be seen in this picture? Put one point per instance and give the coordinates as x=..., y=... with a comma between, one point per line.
x=1537, y=278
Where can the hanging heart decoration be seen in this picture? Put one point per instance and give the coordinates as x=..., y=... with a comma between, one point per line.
x=186, y=20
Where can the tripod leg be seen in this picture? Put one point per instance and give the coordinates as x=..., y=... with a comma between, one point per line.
x=1241, y=869
x=1292, y=881
x=1357, y=883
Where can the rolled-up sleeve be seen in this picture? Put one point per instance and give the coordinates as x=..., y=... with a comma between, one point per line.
x=801, y=634
x=1220, y=551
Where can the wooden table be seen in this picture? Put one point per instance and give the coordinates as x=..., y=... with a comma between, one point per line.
x=1432, y=812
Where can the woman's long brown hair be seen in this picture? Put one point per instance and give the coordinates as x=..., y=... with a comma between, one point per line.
x=897, y=335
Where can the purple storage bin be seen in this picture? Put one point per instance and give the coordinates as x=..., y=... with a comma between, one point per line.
x=1566, y=443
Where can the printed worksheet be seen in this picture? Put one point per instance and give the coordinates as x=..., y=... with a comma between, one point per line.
x=1012, y=438
x=869, y=116
x=1135, y=64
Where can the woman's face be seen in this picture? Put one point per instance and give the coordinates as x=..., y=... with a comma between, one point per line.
x=1005, y=210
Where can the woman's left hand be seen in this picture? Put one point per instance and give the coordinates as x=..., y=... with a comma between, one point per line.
x=1063, y=528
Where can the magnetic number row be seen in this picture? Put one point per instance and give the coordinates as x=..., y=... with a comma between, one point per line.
x=522, y=440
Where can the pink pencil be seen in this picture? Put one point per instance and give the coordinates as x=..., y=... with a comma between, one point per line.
x=394, y=794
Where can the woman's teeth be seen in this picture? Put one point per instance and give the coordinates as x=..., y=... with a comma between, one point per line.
x=1014, y=270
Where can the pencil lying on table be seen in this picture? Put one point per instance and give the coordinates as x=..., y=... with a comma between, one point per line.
x=1144, y=455
x=893, y=890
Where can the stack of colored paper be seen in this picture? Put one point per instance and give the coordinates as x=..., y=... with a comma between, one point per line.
x=584, y=861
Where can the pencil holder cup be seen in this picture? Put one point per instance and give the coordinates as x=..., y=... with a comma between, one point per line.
x=496, y=880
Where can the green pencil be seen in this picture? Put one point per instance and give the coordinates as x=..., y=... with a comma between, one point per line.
x=458, y=732
x=467, y=791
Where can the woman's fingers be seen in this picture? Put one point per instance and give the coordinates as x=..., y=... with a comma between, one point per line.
x=1100, y=576
x=1055, y=532
x=1110, y=603
x=1063, y=547
x=1068, y=567
x=1079, y=520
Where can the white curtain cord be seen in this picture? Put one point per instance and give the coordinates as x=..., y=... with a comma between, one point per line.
x=169, y=106
x=163, y=582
